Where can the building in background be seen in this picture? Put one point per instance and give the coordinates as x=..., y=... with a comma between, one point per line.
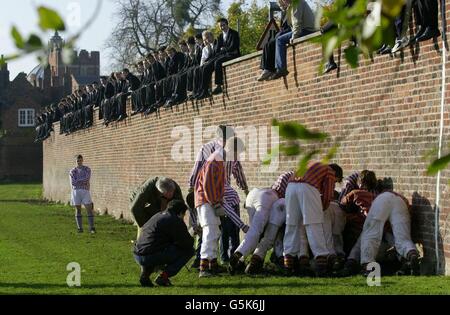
x=23, y=98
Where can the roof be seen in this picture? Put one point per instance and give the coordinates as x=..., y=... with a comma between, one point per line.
x=86, y=79
x=37, y=72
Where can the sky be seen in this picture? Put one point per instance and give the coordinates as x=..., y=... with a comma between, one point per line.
x=22, y=14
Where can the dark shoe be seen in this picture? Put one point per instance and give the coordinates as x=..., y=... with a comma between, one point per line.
x=304, y=267
x=419, y=33
x=351, y=268
x=382, y=48
x=338, y=264
x=429, y=34
x=145, y=282
x=217, y=90
x=80, y=230
x=163, y=281
x=321, y=266
x=330, y=66
x=235, y=263
x=266, y=74
x=386, y=51
x=92, y=231
x=255, y=266
x=150, y=111
x=279, y=74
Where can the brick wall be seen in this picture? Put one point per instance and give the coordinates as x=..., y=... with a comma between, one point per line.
x=386, y=114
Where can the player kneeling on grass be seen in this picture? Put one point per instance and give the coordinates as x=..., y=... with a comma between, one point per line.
x=260, y=205
x=165, y=243
x=393, y=207
x=80, y=181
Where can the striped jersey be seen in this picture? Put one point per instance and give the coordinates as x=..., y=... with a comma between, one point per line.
x=361, y=198
x=322, y=177
x=80, y=177
x=281, y=183
x=210, y=185
x=351, y=183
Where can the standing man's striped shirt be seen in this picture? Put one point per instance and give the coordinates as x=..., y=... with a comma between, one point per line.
x=322, y=177
x=79, y=177
x=281, y=183
x=210, y=186
x=351, y=183
x=231, y=198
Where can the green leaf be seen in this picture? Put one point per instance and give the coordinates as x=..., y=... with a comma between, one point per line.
x=294, y=131
x=351, y=55
x=34, y=42
x=291, y=149
x=50, y=20
x=438, y=165
x=18, y=39
x=303, y=163
x=331, y=153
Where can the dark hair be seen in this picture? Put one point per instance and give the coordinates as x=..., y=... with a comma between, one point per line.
x=79, y=156
x=385, y=184
x=191, y=40
x=126, y=70
x=177, y=207
x=368, y=179
x=225, y=132
x=338, y=171
x=199, y=36
x=224, y=20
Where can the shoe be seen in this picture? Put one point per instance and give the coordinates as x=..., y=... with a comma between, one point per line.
x=234, y=262
x=217, y=90
x=255, y=266
x=351, y=268
x=264, y=75
x=163, y=281
x=80, y=230
x=279, y=74
x=387, y=50
x=92, y=231
x=321, y=266
x=420, y=31
x=330, y=66
x=338, y=264
x=400, y=44
x=303, y=267
x=150, y=111
x=145, y=282
x=382, y=48
x=428, y=34
x=205, y=274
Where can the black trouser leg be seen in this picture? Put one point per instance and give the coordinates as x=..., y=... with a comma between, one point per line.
x=430, y=13
x=218, y=69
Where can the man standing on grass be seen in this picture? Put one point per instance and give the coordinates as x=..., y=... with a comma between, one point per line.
x=80, y=181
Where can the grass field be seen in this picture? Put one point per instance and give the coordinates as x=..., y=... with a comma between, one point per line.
x=38, y=240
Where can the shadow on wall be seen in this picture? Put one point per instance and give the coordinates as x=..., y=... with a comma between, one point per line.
x=422, y=228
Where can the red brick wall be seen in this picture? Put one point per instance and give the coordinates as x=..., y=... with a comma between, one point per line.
x=386, y=113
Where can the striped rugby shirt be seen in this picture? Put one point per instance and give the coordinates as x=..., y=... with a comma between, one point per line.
x=361, y=198
x=281, y=183
x=322, y=177
x=230, y=198
x=79, y=177
x=351, y=183
x=210, y=186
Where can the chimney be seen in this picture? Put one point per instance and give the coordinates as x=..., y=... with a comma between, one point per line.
x=4, y=73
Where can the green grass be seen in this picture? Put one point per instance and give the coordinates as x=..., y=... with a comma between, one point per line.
x=38, y=240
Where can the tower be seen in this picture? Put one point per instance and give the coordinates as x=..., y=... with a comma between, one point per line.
x=4, y=74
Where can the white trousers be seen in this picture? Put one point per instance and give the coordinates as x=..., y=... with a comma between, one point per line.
x=273, y=234
x=304, y=222
x=210, y=224
x=335, y=216
x=258, y=205
x=386, y=206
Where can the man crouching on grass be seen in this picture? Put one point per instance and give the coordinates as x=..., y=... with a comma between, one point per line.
x=164, y=243
x=80, y=177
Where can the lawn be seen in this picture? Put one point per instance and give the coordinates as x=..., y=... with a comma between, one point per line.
x=38, y=240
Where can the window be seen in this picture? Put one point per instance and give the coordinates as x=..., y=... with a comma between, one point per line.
x=26, y=117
